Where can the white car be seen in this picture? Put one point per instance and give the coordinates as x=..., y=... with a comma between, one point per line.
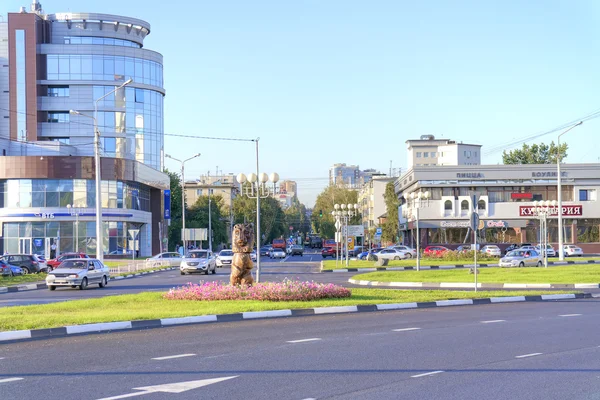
x=392, y=254
x=410, y=253
x=277, y=253
x=41, y=263
x=198, y=261
x=491, y=250
x=572, y=251
x=549, y=250
x=78, y=272
x=165, y=259
x=225, y=257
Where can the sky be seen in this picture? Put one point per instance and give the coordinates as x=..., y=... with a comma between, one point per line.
x=345, y=81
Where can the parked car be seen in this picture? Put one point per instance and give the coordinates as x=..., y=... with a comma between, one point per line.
x=410, y=252
x=528, y=247
x=512, y=247
x=27, y=262
x=55, y=262
x=296, y=250
x=392, y=254
x=78, y=273
x=9, y=270
x=329, y=252
x=572, y=250
x=549, y=250
x=264, y=251
x=253, y=255
x=521, y=258
x=435, y=250
x=165, y=259
x=277, y=253
x=491, y=250
x=225, y=257
x=41, y=262
x=364, y=254
x=198, y=261
x=356, y=251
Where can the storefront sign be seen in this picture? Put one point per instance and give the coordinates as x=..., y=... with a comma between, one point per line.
x=45, y=215
x=552, y=174
x=515, y=196
x=469, y=175
x=455, y=224
x=575, y=211
x=496, y=224
x=167, y=204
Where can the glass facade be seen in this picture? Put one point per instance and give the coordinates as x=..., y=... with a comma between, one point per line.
x=100, y=40
x=25, y=193
x=74, y=67
x=20, y=64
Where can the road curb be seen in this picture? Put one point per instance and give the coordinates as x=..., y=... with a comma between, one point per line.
x=37, y=286
x=471, y=285
x=124, y=326
x=377, y=269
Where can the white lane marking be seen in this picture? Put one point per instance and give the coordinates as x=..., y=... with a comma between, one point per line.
x=171, y=357
x=303, y=340
x=493, y=321
x=10, y=380
x=405, y=329
x=570, y=315
x=529, y=355
x=1, y=358
x=427, y=374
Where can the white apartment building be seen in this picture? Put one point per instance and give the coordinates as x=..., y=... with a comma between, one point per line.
x=371, y=201
x=429, y=151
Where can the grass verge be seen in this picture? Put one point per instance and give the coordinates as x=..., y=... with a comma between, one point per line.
x=18, y=280
x=589, y=273
x=153, y=306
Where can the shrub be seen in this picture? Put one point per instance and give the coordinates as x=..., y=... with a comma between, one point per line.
x=287, y=290
x=454, y=255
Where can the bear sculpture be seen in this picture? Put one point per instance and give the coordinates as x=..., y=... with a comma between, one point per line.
x=242, y=244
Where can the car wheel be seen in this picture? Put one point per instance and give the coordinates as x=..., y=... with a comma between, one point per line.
x=73, y=286
x=521, y=265
x=539, y=264
x=49, y=269
x=52, y=287
x=103, y=282
x=206, y=272
x=25, y=270
x=182, y=273
x=396, y=258
x=408, y=255
x=214, y=271
x=84, y=284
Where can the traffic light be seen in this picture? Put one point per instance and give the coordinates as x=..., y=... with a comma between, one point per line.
x=320, y=213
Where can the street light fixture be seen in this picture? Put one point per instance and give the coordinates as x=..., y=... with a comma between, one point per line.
x=561, y=250
x=342, y=218
x=99, y=239
x=183, y=195
x=76, y=211
x=416, y=201
x=542, y=210
x=257, y=188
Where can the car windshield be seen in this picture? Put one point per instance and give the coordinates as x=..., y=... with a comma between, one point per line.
x=74, y=264
x=226, y=253
x=516, y=253
x=198, y=254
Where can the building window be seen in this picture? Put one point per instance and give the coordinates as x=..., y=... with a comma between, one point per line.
x=58, y=91
x=447, y=205
x=464, y=205
x=58, y=116
x=481, y=205
x=418, y=154
x=139, y=95
x=198, y=192
x=426, y=155
x=587, y=195
x=63, y=140
x=475, y=154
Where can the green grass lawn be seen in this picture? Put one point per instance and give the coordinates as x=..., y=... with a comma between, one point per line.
x=330, y=264
x=567, y=274
x=153, y=306
x=17, y=280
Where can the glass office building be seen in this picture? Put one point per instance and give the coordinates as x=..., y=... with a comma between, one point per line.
x=74, y=61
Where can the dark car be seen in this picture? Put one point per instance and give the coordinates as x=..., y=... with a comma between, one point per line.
x=264, y=251
x=515, y=246
x=65, y=256
x=296, y=250
x=328, y=252
x=27, y=262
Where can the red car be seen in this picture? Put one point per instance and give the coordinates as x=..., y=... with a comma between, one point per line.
x=433, y=251
x=329, y=252
x=65, y=256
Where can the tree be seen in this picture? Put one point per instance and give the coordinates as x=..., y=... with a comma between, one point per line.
x=272, y=218
x=535, y=154
x=175, y=227
x=389, y=231
x=197, y=217
x=331, y=195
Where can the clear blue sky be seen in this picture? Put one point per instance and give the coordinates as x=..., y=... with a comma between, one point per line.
x=348, y=81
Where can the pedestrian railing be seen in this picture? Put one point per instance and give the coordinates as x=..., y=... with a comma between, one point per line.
x=138, y=265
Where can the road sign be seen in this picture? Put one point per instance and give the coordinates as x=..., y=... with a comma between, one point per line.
x=193, y=234
x=378, y=231
x=338, y=237
x=291, y=228
x=133, y=233
x=356, y=230
x=350, y=243
x=474, y=221
x=338, y=225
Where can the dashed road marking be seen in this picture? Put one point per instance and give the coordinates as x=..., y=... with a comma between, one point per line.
x=303, y=340
x=10, y=380
x=427, y=374
x=493, y=321
x=171, y=357
x=529, y=355
x=570, y=315
x=406, y=329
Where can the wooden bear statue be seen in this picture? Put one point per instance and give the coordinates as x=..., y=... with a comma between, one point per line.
x=242, y=244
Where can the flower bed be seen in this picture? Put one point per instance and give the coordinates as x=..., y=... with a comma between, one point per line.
x=287, y=290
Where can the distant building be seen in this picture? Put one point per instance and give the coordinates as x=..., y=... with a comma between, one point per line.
x=371, y=202
x=350, y=175
x=429, y=151
x=216, y=185
x=289, y=187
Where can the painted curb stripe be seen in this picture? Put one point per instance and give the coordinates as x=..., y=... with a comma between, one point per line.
x=507, y=299
x=15, y=335
x=397, y=306
x=188, y=320
x=333, y=310
x=462, y=302
x=557, y=296
x=267, y=314
x=108, y=326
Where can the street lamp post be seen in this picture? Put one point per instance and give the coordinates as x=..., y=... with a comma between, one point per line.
x=99, y=239
x=347, y=211
x=75, y=211
x=561, y=250
x=183, y=195
x=542, y=210
x=209, y=223
x=416, y=200
x=257, y=189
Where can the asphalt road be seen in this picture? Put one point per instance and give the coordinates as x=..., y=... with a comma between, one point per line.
x=499, y=351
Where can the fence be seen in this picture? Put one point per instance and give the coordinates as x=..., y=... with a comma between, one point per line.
x=139, y=265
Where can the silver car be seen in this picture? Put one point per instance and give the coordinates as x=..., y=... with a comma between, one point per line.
x=78, y=273
x=491, y=250
x=198, y=261
x=171, y=259
x=521, y=258
x=410, y=252
x=549, y=250
x=225, y=257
